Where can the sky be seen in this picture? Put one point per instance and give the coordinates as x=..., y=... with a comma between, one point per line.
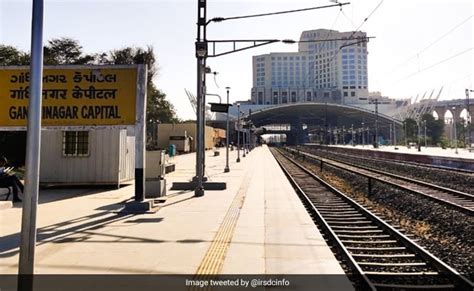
x=419, y=45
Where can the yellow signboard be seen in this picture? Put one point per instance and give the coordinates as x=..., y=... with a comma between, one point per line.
x=72, y=96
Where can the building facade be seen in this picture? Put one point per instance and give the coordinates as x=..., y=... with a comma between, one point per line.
x=330, y=66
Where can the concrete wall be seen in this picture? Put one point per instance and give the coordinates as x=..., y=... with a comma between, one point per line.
x=110, y=159
x=166, y=130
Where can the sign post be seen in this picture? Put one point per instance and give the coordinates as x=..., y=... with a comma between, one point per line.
x=140, y=124
x=33, y=147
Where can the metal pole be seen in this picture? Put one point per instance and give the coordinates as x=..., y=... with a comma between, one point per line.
x=405, y=127
x=140, y=134
x=201, y=53
x=419, y=135
x=394, y=134
x=376, y=144
x=451, y=133
x=343, y=135
x=391, y=141
x=455, y=133
x=244, y=137
x=424, y=123
x=330, y=136
x=226, y=169
x=238, y=133
x=352, y=131
x=249, y=147
x=326, y=123
x=363, y=135
x=468, y=119
x=33, y=149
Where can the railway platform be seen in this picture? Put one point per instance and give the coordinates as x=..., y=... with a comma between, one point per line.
x=256, y=226
x=446, y=158
x=413, y=150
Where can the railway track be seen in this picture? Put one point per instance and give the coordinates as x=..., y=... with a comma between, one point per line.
x=458, y=200
x=381, y=256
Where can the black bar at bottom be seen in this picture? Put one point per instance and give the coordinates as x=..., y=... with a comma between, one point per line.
x=25, y=283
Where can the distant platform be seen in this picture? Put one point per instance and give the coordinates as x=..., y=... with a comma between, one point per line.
x=428, y=155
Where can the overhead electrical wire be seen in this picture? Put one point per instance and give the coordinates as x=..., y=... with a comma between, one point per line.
x=353, y=32
x=431, y=44
x=435, y=64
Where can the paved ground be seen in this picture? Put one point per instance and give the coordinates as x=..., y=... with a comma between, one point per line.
x=256, y=226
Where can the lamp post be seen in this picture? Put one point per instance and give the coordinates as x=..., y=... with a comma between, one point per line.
x=455, y=134
x=468, y=117
x=343, y=135
x=368, y=135
x=238, y=133
x=391, y=141
x=244, y=137
x=352, y=131
x=405, y=128
x=424, y=124
x=330, y=136
x=376, y=143
x=418, y=123
x=395, y=135
x=363, y=135
x=202, y=53
x=248, y=139
x=250, y=142
x=226, y=169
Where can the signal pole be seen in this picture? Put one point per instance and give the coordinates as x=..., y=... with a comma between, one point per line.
x=468, y=118
x=376, y=143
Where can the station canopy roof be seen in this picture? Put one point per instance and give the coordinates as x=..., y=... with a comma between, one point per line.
x=317, y=114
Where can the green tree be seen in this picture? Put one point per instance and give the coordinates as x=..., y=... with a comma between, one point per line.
x=411, y=129
x=66, y=51
x=434, y=128
x=11, y=56
x=461, y=132
x=159, y=110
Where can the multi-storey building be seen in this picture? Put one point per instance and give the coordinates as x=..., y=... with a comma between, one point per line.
x=330, y=66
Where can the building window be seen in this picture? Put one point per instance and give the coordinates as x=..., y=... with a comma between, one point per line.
x=75, y=143
x=293, y=97
x=260, y=97
x=353, y=94
x=284, y=97
x=308, y=96
x=345, y=93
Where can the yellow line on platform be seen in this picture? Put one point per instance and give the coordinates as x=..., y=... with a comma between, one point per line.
x=215, y=255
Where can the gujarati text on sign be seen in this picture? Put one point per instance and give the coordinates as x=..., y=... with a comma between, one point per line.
x=72, y=96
